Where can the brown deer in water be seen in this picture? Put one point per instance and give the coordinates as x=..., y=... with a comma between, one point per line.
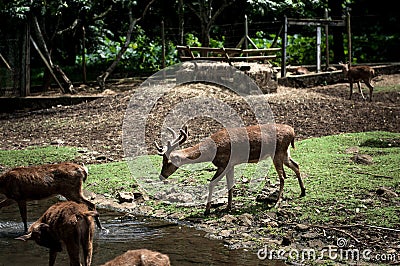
x=22, y=184
x=232, y=146
x=68, y=224
x=143, y=257
x=357, y=74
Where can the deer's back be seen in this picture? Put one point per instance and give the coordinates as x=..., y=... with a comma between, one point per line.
x=360, y=73
x=38, y=182
x=250, y=144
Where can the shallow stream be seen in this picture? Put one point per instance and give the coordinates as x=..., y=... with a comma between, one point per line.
x=184, y=245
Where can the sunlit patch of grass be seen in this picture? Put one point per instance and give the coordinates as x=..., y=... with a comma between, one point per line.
x=37, y=155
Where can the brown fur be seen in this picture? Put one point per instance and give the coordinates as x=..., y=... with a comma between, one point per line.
x=355, y=74
x=227, y=148
x=23, y=184
x=68, y=223
x=140, y=257
x=301, y=71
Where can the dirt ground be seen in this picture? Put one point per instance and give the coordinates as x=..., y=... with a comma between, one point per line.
x=96, y=126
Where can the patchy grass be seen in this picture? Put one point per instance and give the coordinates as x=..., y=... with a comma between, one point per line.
x=109, y=178
x=37, y=155
x=338, y=189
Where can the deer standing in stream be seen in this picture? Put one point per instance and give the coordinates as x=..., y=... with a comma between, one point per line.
x=232, y=146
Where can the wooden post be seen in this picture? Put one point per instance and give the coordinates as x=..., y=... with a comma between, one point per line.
x=162, y=44
x=348, y=36
x=318, y=49
x=284, y=40
x=84, y=78
x=326, y=41
x=246, y=33
x=25, y=82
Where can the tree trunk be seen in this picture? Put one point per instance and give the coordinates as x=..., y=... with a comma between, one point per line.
x=102, y=78
x=47, y=57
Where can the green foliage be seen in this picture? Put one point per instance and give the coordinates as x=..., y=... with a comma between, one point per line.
x=192, y=40
x=301, y=50
x=37, y=155
x=142, y=53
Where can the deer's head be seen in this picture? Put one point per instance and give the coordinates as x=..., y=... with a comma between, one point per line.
x=171, y=162
x=345, y=66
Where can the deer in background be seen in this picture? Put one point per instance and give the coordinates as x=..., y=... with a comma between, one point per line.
x=357, y=74
x=23, y=184
x=229, y=147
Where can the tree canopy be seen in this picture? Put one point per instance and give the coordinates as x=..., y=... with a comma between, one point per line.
x=101, y=31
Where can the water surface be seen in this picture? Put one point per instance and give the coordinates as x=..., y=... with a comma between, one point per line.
x=184, y=245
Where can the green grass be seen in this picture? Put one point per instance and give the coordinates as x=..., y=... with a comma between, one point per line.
x=109, y=178
x=37, y=155
x=388, y=88
x=338, y=189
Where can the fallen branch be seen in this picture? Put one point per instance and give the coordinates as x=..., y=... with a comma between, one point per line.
x=374, y=175
x=334, y=229
x=369, y=226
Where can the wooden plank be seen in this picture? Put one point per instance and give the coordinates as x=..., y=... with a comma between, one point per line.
x=315, y=22
x=237, y=58
x=208, y=49
x=262, y=50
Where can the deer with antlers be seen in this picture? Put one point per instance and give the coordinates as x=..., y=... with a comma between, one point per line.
x=232, y=146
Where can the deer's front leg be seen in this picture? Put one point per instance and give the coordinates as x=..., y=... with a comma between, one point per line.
x=351, y=90
x=217, y=176
x=230, y=182
x=360, y=90
x=23, y=212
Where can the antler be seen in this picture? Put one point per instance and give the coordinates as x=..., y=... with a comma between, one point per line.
x=177, y=140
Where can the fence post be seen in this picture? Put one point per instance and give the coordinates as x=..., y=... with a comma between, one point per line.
x=246, y=33
x=25, y=75
x=348, y=35
x=284, y=40
x=318, y=49
x=163, y=44
x=326, y=40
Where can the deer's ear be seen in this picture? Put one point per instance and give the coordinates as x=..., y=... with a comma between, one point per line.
x=25, y=237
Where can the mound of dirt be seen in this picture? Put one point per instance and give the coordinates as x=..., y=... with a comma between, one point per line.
x=97, y=125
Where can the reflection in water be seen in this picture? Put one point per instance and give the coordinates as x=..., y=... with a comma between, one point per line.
x=184, y=245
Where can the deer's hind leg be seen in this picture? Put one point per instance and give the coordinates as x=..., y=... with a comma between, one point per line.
x=217, y=177
x=292, y=164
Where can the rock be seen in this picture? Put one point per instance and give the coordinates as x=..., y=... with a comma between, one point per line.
x=383, y=191
x=57, y=142
x=302, y=227
x=316, y=243
x=228, y=218
x=352, y=150
x=246, y=219
x=310, y=235
x=225, y=233
x=362, y=159
x=125, y=197
x=179, y=197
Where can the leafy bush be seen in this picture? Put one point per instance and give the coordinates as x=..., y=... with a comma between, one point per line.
x=143, y=54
